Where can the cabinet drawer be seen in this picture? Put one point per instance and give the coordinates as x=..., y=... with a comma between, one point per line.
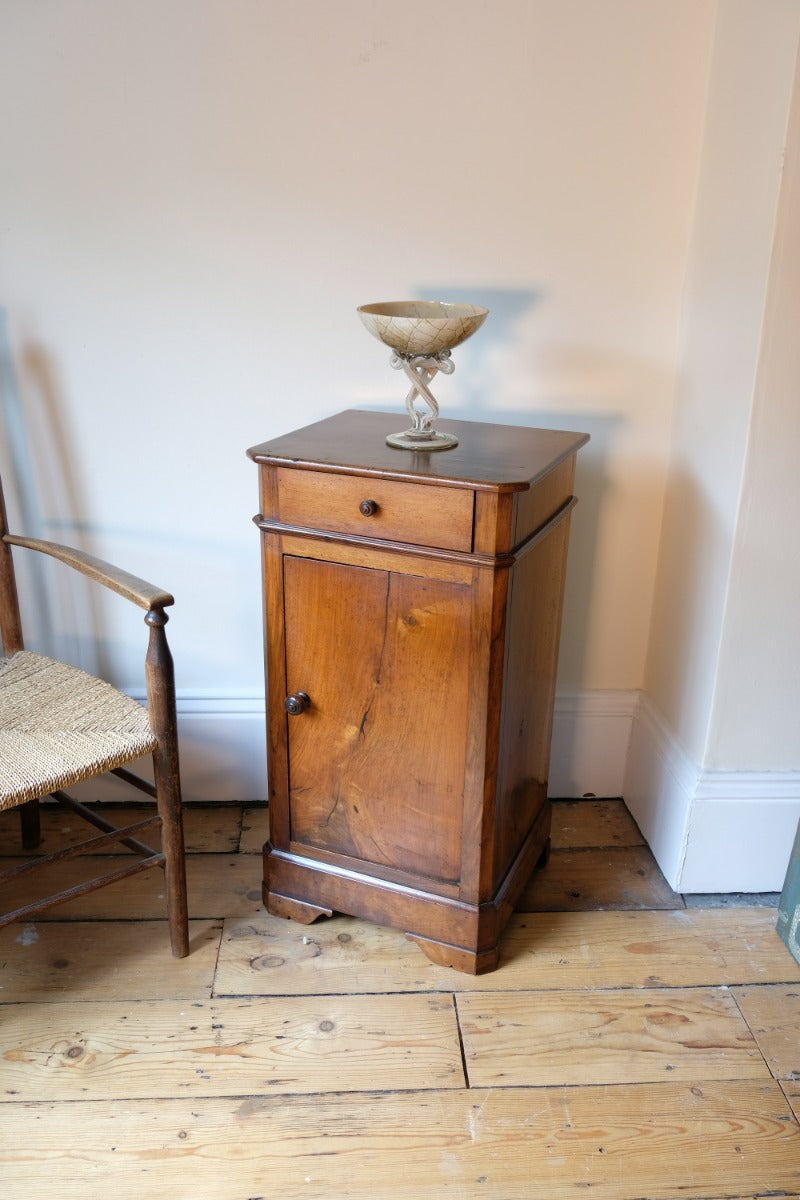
x=422, y=514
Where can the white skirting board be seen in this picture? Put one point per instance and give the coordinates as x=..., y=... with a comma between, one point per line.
x=710, y=831
x=223, y=752
x=589, y=750
x=223, y=747
x=223, y=739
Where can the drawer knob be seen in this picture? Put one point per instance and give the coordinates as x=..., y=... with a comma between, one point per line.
x=368, y=508
x=296, y=703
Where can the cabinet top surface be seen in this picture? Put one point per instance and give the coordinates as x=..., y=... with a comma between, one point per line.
x=508, y=457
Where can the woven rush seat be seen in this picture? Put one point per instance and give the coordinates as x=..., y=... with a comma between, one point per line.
x=59, y=726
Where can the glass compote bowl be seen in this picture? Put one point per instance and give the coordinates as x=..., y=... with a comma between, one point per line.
x=421, y=335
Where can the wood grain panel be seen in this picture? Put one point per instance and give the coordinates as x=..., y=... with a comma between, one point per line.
x=163, y=1048
x=689, y=948
x=371, y=776
x=773, y=1014
x=532, y=637
x=717, y=1140
x=380, y=556
x=638, y=1036
x=494, y=512
x=404, y=512
x=105, y=960
x=542, y=500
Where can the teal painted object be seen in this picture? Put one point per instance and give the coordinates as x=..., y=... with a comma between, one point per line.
x=789, y=907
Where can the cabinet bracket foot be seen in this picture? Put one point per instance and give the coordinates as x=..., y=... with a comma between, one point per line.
x=471, y=962
x=295, y=910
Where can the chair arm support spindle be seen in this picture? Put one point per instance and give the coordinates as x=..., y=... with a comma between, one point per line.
x=160, y=674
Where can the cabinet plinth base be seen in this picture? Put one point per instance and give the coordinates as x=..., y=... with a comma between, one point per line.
x=451, y=932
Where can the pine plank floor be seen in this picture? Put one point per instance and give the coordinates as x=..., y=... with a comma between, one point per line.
x=628, y=1047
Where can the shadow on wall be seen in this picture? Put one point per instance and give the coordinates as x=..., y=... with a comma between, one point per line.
x=691, y=591
x=38, y=480
x=477, y=361
x=509, y=309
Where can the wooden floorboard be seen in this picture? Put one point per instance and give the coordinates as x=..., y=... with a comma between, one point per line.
x=255, y=829
x=218, y=885
x=593, y=824
x=773, y=1014
x=105, y=960
x=710, y=1140
x=210, y=829
x=540, y=951
x=615, y=877
x=627, y=1048
x=163, y=1048
x=792, y=1091
x=596, y=1037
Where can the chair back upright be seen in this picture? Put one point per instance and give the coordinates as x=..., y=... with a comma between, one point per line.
x=10, y=620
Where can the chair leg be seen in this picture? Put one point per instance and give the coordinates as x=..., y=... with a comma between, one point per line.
x=30, y=825
x=172, y=844
x=161, y=705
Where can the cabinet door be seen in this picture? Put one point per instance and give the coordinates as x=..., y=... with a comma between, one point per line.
x=377, y=761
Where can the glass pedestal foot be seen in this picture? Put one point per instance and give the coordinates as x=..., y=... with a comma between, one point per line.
x=423, y=441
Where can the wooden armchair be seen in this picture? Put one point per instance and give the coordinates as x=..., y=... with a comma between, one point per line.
x=59, y=726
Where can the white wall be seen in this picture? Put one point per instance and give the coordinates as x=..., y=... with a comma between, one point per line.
x=714, y=766
x=198, y=193
x=755, y=717
x=731, y=249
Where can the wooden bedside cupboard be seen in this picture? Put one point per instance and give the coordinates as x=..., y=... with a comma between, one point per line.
x=412, y=610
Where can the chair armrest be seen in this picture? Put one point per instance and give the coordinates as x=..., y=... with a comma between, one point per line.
x=139, y=591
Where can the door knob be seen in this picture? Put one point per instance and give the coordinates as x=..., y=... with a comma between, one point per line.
x=296, y=703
